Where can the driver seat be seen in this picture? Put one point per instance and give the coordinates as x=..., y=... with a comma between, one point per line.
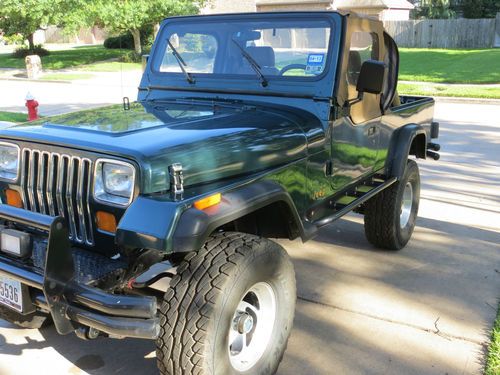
x=264, y=56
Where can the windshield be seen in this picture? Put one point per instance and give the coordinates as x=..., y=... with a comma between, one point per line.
x=271, y=49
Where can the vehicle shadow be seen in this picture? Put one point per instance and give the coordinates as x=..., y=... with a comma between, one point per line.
x=334, y=269
x=98, y=357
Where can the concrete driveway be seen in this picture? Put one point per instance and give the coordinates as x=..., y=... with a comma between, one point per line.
x=427, y=309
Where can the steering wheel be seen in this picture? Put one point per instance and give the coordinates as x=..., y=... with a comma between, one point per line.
x=292, y=67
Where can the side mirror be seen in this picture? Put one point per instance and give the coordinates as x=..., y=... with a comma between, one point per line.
x=371, y=77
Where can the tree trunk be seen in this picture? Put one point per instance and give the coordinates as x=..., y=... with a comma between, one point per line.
x=31, y=43
x=137, y=41
x=156, y=29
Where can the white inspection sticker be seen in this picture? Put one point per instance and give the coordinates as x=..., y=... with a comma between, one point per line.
x=315, y=62
x=11, y=294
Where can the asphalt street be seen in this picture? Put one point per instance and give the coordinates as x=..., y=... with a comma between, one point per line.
x=56, y=98
x=427, y=309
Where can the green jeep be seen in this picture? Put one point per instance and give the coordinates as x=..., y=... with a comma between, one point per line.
x=152, y=219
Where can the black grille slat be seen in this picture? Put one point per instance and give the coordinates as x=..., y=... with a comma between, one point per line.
x=70, y=188
x=51, y=184
x=83, y=198
x=32, y=181
x=59, y=185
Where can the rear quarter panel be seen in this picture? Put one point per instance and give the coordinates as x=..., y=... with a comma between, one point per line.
x=414, y=110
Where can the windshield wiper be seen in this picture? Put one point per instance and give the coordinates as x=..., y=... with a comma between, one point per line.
x=182, y=63
x=255, y=66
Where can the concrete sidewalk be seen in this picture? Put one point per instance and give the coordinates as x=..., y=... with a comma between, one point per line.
x=427, y=309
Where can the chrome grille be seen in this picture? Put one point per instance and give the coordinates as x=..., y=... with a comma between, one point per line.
x=59, y=185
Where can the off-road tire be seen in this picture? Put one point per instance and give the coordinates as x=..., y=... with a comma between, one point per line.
x=198, y=307
x=382, y=212
x=34, y=320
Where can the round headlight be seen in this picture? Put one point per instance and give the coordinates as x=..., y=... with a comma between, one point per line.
x=9, y=161
x=114, y=182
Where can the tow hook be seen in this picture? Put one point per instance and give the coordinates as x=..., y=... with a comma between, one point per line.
x=87, y=333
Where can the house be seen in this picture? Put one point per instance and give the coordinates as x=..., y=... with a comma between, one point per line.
x=229, y=6
x=385, y=10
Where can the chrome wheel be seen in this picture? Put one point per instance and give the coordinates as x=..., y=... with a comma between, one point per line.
x=252, y=326
x=406, y=205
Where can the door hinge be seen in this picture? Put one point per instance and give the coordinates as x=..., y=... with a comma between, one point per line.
x=328, y=168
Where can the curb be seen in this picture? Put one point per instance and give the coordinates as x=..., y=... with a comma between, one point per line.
x=451, y=99
x=34, y=80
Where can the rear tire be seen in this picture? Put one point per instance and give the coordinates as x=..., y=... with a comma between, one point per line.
x=34, y=320
x=229, y=309
x=390, y=216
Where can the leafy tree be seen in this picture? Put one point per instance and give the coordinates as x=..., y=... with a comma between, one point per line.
x=435, y=9
x=132, y=15
x=472, y=8
x=24, y=17
x=480, y=8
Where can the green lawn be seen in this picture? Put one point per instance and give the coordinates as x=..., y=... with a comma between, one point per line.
x=450, y=66
x=493, y=361
x=13, y=117
x=66, y=58
x=486, y=92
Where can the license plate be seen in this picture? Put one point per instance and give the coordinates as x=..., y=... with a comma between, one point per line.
x=11, y=294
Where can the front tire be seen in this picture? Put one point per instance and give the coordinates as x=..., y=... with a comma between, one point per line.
x=229, y=309
x=390, y=216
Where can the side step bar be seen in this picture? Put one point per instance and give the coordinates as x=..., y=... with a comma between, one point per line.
x=355, y=203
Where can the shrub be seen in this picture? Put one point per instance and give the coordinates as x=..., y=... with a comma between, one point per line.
x=24, y=51
x=125, y=41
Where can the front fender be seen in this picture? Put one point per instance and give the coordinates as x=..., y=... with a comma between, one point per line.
x=148, y=224
x=195, y=226
x=160, y=224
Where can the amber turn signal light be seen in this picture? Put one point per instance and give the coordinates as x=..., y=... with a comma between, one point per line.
x=106, y=221
x=14, y=198
x=207, y=202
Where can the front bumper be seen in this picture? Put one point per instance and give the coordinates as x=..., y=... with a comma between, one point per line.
x=72, y=304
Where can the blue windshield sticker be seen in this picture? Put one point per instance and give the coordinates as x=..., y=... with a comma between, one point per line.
x=315, y=62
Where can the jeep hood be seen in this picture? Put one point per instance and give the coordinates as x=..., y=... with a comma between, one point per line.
x=211, y=141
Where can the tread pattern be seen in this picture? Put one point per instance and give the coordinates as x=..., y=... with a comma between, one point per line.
x=379, y=218
x=186, y=313
x=382, y=214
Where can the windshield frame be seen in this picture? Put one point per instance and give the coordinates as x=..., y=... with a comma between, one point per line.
x=276, y=83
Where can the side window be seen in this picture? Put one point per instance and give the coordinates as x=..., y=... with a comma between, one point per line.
x=364, y=46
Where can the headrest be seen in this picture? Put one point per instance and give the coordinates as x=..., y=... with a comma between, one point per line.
x=354, y=67
x=263, y=55
x=355, y=60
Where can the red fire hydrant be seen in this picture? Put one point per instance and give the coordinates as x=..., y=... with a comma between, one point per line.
x=32, y=105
